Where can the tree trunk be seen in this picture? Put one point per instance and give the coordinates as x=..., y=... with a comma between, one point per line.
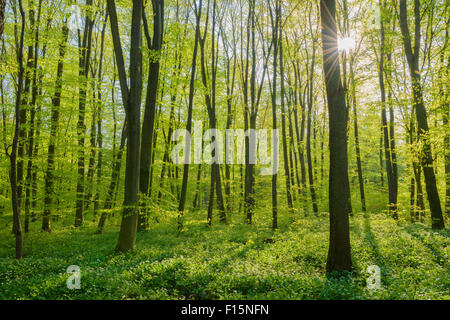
x=388, y=151
x=357, y=147
x=421, y=113
x=17, y=227
x=198, y=13
x=128, y=227
x=150, y=104
x=283, y=124
x=31, y=166
x=339, y=257
x=2, y=17
x=114, y=182
x=83, y=72
x=54, y=124
x=308, y=131
x=99, y=119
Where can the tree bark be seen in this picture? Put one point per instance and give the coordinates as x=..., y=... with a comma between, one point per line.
x=83, y=72
x=17, y=227
x=308, y=130
x=148, y=125
x=128, y=227
x=198, y=13
x=54, y=124
x=388, y=150
x=421, y=113
x=357, y=147
x=339, y=257
x=283, y=124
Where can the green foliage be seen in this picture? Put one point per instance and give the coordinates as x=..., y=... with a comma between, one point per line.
x=234, y=261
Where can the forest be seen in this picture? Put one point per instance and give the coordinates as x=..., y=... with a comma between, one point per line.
x=224, y=149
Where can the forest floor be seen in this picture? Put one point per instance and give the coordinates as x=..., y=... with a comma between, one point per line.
x=233, y=261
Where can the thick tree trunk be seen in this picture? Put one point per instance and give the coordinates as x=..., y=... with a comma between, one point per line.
x=339, y=257
x=128, y=227
x=2, y=17
x=437, y=219
x=150, y=104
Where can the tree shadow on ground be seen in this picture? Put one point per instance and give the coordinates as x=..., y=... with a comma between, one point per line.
x=438, y=256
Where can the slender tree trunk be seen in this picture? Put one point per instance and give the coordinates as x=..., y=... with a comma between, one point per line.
x=83, y=72
x=114, y=182
x=198, y=13
x=275, y=42
x=444, y=94
x=56, y=103
x=308, y=132
x=23, y=139
x=93, y=153
x=380, y=149
x=356, y=133
x=230, y=82
x=294, y=148
x=17, y=227
x=388, y=150
x=99, y=120
x=210, y=101
x=283, y=124
x=31, y=167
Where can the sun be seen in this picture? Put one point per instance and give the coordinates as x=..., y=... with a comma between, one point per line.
x=346, y=44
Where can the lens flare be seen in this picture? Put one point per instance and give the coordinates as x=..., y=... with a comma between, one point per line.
x=346, y=44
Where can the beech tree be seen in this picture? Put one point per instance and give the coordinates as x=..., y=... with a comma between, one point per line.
x=132, y=103
x=96, y=95
x=413, y=56
x=339, y=257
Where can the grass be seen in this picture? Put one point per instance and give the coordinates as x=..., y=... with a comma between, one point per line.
x=233, y=261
